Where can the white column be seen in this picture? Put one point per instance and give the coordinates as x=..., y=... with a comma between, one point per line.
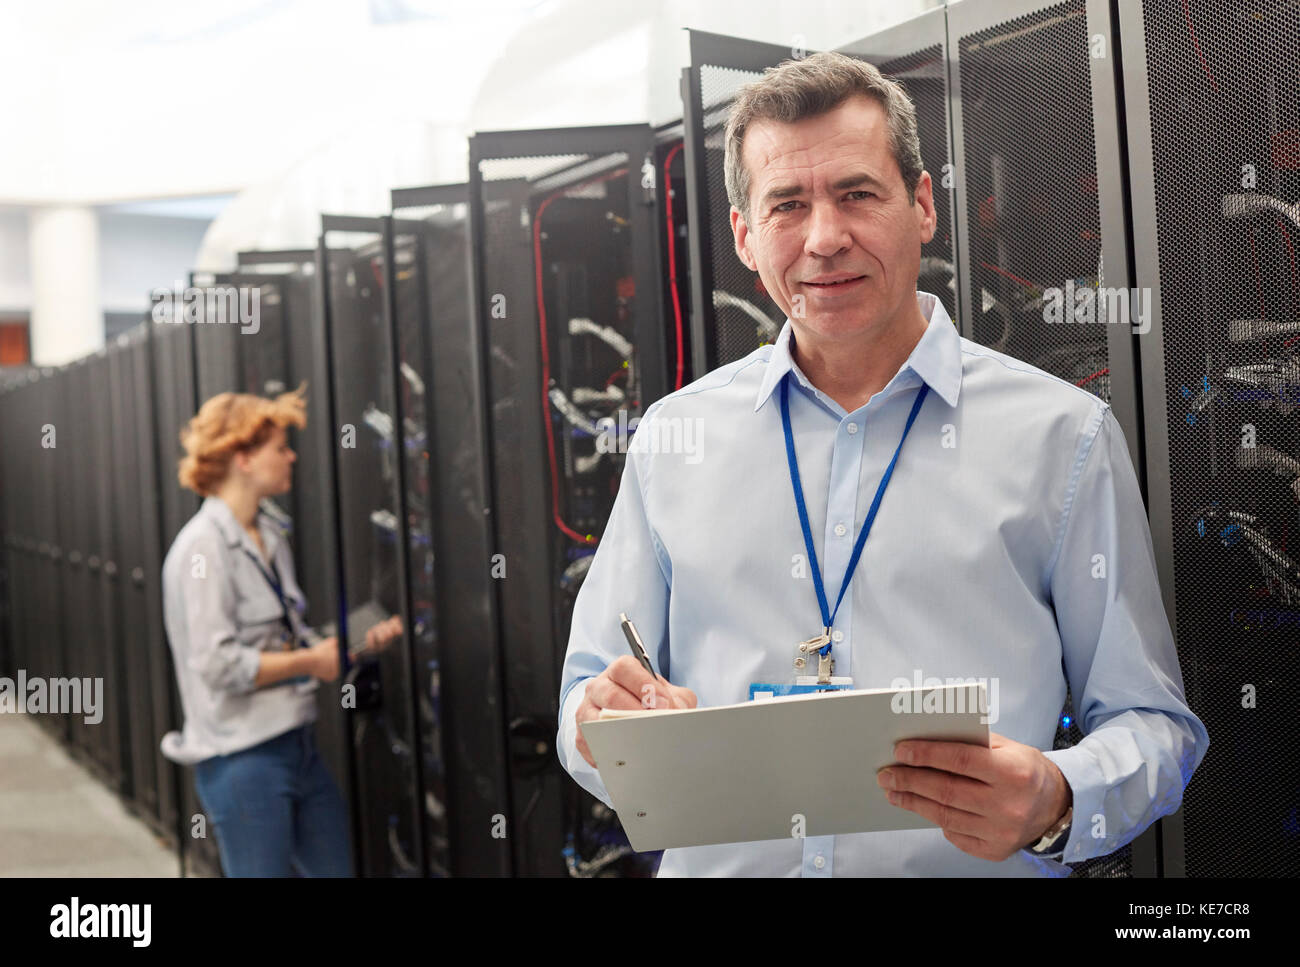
x=67, y=318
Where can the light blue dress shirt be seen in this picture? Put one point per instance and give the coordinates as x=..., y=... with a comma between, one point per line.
x=1012, y=545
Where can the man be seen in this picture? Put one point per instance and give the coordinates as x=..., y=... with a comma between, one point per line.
x=1010, y=545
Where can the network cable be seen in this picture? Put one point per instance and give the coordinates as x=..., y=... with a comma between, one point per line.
x=1245, y=204
x=1277, y=567
x=547, y=383
x=768, y=330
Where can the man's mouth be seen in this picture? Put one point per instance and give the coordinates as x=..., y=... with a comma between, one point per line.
x=836, y=283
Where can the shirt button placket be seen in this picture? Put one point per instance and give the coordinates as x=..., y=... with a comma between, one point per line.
x=818, y=856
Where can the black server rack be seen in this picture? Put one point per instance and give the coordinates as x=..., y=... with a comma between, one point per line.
x=70, y=457
x=568, y=305
x=731, y=312
x=207, y=306
x=111, y=738
x=72, y=460
x=412, y=349
x=49, y=647
x=138, y=566
x=1213, y=127
x=8, y=666
x=124, y=520
x=1031, y=82
x=16, y=566
x=1041, y=218
x=290, y=300
x=376, y=435
x=175, y=401
x=915, y=54
x=9, y=648
x=460, y=673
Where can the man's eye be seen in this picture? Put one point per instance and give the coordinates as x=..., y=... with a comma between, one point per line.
x=862, y=194
x=785, y=206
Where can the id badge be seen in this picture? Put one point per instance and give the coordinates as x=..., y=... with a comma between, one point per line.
x=803, y=685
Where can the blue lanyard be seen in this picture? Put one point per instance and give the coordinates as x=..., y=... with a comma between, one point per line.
x=828, y=615
x=277, y=588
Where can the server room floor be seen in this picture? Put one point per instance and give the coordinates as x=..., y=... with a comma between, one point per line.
x=56, y=819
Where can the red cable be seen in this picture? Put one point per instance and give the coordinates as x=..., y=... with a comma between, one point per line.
x=672, y=261
x=546, y=353
x=1013, y=278
x=1205, y=64
x=1089, y=378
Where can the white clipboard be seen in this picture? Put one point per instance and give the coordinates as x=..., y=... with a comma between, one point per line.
x=746, y=772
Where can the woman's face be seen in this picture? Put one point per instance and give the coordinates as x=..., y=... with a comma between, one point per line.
x=269, y=468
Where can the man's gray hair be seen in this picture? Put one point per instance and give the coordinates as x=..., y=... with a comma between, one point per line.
x=806, y=88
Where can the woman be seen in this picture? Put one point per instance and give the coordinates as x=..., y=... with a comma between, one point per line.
x=246, y=663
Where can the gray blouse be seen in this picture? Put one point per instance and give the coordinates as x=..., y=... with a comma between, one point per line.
x=221, y=613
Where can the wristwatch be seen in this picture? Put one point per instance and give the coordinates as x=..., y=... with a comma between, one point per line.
x=1058, y=833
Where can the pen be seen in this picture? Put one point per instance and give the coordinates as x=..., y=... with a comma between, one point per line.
x=634, y=642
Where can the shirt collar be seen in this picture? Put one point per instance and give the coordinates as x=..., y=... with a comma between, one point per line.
x=936, y=358
x=234, y=534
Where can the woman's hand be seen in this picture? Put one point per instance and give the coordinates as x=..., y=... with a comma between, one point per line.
x=380, y=636
x=323, y=659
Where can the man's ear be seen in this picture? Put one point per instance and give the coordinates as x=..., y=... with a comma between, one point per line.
x=740, y=231
x=927, y=220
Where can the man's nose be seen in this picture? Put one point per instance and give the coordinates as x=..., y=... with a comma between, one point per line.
x=828, y=230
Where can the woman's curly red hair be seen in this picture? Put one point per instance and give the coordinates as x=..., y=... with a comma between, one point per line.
x=228, y=424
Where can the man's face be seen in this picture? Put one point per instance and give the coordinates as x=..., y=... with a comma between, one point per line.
x=828, y=205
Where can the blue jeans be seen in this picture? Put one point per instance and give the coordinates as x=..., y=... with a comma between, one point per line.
x=275, y=808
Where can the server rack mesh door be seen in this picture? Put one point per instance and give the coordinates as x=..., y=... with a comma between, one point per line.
x=176, y=401
x=1030, y=174
x=213, y=306
x=568, y=306
x=81, y=641
x=114, y=711
x=412, y=356
x=924, y=77
x=915, y=54
x=743, y=315
x=140, y=571
x=459, y=671
x=124, y=518
x=1225, y=168
x=58, y=533
x=371, y=468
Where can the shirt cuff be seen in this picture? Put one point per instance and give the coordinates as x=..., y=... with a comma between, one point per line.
x=250, y=662
x=1088, y=789
x=567, y=744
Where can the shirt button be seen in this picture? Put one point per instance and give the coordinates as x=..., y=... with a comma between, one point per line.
x=820, y=861
x=840, y=530
x=852, y=428
x=837, y=636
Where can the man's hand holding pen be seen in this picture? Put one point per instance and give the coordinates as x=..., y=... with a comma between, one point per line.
x=625, y=684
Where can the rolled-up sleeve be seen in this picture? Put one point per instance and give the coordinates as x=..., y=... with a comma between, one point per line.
x=1141, y=741
x=631, y=573
x=214, y=651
